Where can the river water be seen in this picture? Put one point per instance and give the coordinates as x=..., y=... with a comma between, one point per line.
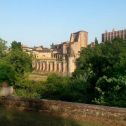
x=19, y=118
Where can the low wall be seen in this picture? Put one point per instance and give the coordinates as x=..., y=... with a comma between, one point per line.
x=72, y=110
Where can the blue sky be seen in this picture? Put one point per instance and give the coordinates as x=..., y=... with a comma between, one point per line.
x=41, y=22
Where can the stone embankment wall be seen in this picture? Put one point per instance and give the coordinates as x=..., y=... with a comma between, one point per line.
x=67, y=109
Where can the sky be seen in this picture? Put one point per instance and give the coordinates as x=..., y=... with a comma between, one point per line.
x=42, y=22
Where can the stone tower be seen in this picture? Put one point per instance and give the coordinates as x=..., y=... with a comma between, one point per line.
x=78, y=41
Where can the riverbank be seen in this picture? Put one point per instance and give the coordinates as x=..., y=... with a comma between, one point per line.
x=105, y=115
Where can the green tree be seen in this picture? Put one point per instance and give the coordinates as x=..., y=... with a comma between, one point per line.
x=96, y=41
x=7, y=73
x=55, y=87
x=16, y=45
x=111, y=91
x=106, y=59
x=2, y=47
x=21, y=61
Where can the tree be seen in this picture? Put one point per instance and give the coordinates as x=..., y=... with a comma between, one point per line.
x=7, y=73
x=111, y=91
x=55, y=87
x=105, y=60
x=16, y=45
x=21, y=61
x=96, y=41
x=2, y=47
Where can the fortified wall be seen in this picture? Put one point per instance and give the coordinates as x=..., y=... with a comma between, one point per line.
x=60, y=58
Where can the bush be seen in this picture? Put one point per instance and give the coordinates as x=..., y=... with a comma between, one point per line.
x=55, y=87
x=28, y=89
x=65, y=88
x=111, y=91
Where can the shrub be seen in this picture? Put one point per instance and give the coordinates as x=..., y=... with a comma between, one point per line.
x=55, y=87
x=111, y=91
x=28, y=89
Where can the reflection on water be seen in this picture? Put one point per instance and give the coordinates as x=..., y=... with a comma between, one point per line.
x=15, y=118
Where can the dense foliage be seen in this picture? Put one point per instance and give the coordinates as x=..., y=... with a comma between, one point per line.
x=7, y=73
x=2, y=47
x=105, y=66
x=21, y=61
x=28, y=88
x=100, y=77
x=14, y=62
